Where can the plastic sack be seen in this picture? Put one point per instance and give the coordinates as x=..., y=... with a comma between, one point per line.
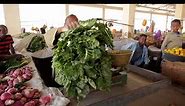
x=24, y=43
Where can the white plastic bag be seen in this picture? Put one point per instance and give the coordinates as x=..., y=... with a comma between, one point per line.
x=24, y=43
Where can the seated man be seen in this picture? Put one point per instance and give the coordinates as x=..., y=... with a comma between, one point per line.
x=6, y=48
x=6, y=41
x=139, y=52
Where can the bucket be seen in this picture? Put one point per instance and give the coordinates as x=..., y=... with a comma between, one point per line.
x=120, y=58
x=45, y=71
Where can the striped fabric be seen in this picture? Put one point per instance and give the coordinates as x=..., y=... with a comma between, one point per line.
x=5, y=42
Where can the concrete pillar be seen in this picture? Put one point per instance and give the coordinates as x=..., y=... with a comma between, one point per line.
x=12, y=18
x=180, y=13
x=128, y=18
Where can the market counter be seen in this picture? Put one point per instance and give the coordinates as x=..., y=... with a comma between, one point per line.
x=169, y=96
x=141, y=82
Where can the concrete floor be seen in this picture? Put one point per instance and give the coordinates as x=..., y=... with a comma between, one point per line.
x=164, y=97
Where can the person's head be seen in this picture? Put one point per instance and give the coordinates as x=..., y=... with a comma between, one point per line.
x=142, y=39
x=3, y=30
x=71, y=18
x=175, y=25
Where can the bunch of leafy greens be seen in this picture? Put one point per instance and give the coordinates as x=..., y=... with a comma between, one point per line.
x=37, y=43
x=81, y=61
x=22, y=35
x=11, y=63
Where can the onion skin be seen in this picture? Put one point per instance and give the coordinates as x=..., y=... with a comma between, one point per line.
x=9, y=102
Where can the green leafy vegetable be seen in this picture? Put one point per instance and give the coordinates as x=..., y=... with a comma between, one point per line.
x=81, y=61
x=11, y=63
x=37, y=43
x=22, y=35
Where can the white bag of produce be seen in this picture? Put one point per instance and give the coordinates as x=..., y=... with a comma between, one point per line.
x=44, y=53
x=58, y=98
x=49, y=37
x=60, y=101
x=24, y=43
x=122, y=44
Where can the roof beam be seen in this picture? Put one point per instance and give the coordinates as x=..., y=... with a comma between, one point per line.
x=155, y=8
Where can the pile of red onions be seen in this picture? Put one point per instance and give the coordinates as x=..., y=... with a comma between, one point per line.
x=14, y=91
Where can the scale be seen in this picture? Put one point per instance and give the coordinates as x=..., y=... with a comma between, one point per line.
x=120, y=61
x=119, y=68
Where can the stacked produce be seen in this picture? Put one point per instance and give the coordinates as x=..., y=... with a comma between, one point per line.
x=15, y=92
x=22, y=35
x=175, y=51
x=81, y=62
x=37, y=43
x=30, y=42
x=12, y=63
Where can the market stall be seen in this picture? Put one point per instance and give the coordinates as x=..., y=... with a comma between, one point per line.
x=24, y=82
x=85, y=63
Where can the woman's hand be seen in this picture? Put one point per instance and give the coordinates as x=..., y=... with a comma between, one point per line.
x=68, y=26
x=72, y=25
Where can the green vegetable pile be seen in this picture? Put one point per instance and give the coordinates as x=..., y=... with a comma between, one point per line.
x=11, y=63
x=37, y=43
x=81, y=62
x=22, y=35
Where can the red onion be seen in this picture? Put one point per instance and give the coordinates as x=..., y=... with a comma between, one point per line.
x=30, y=103
x=18, y=96
x=45, y=99
x=12, y=90
x=17, y=103
x=6, y=96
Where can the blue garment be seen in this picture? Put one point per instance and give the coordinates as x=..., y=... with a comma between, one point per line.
x=138, y=60
x=137, y=54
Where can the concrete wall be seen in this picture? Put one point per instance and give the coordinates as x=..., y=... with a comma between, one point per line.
x=12, y=18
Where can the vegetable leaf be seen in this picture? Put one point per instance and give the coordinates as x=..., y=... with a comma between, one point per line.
x=81, y=61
